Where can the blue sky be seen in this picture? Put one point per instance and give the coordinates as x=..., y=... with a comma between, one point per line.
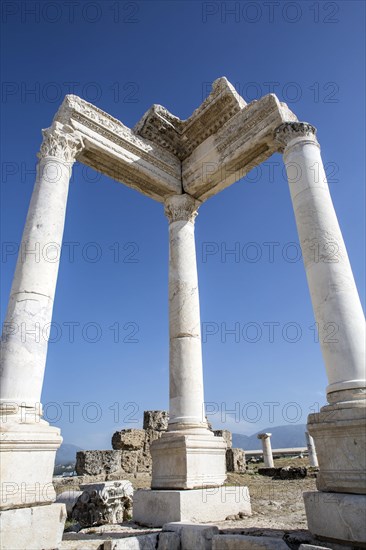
x=123, y=57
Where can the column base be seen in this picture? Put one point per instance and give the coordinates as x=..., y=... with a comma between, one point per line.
x=155, y=508
x=188, y=461
x=337, y=517
x=35, y=527
x=27, y=458
x=340, y=441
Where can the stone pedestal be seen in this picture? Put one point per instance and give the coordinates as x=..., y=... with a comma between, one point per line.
x=337, y=517
x=183, y=461
x=339, y=432
x=155, y=508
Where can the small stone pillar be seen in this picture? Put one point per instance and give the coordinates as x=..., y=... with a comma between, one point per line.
x=267, y=449
x=313, y=459
x=28, y=443
x=338, y=429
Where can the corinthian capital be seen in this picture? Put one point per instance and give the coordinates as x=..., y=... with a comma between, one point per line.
x=61, y=142
x=181, y=208
x=288, y=131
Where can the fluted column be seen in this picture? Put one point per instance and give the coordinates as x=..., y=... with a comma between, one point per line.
x=185, y=353
x=26, y=327
x=334, y=296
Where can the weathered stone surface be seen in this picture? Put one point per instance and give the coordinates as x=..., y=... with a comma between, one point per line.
x=246, y=542
x=36, y=527
x=156, y=420
x=340, y=439
x=169, y=541
x=188, y=461
x=102, y=503
x=129, y=461
x=155, y=508
x=142, y=542
x=235, y=460
x=336, y=516
x=118, y=152
x=226, y=435
x=194, y=536
x=128, y=440
x=97, y=462
x=68, y=498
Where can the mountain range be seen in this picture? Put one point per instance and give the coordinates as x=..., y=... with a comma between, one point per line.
x=291, y=435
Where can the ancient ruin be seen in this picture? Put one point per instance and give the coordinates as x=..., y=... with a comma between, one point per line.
x=182, y=163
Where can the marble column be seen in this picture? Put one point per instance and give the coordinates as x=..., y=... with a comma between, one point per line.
x=188, y=455
x=338, y=428
x=313, y=459
x=334, y=295
x=186, y=401
x=28, y=444
x=267, y=449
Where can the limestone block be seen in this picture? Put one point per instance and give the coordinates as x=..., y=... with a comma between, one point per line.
x=129, y=461
x=194, y=536
x=68, y=498
x=128, y=440
x=156, y=508
x=226, y=435
x=103, y=503
x=97, y=462
x=144, y=462
x=336, y=516
x=235, y=460
x=142, y=542
x=246, y=542
x=169, y=541
x=36, y=527
x=156, y=420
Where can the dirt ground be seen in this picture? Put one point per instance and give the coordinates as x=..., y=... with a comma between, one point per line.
x=276, y=504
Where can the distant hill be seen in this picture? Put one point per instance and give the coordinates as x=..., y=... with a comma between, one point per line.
x=66, y=454
x=283, y=437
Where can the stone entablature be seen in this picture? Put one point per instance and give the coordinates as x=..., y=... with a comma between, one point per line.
x=217, y=145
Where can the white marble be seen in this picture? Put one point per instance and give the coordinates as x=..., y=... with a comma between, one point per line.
x=267, y=449
x=313, y=459
x=337, y=517
x=340, y=437
x=334, y=295
x=186, y=401
x=32, y=528
x=156, y=508
x=25, y=335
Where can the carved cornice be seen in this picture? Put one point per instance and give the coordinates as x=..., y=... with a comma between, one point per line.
x=181, y=137
x=60, y=142
x=288, y=131
x=181, y=208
